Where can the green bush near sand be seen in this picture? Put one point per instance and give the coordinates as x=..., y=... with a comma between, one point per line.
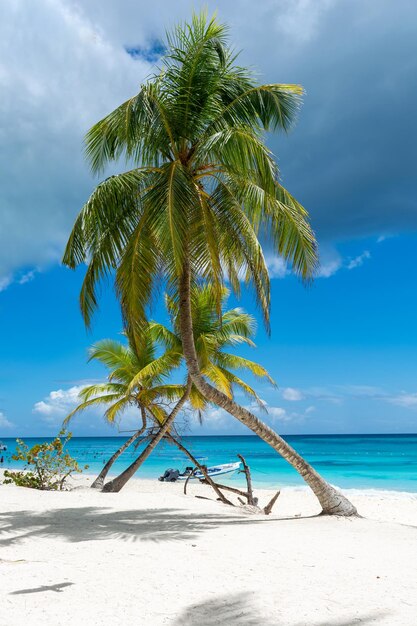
x=50, y=466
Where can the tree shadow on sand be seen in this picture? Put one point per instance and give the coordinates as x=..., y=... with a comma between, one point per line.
x=240, y=610
x=99, y=523
x=57, y=588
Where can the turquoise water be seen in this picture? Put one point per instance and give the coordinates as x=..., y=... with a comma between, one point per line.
x=349, y=461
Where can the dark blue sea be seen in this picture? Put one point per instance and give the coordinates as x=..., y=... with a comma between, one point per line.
x=349, y=461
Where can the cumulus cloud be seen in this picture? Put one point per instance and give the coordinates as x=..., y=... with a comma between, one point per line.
x=292, y=394
x=278, y=414
x=4, y=422
x=58, y=403
x=63, y=65
x=216, y=417
x=276, y=265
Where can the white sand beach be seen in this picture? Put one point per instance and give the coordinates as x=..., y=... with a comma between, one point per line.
x=150, y=555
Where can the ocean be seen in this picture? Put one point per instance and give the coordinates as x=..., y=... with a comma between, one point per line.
x=386, y=462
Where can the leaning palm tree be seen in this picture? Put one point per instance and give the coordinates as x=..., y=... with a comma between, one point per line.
x=118, y=393
x=202, y=190
x=213, y=334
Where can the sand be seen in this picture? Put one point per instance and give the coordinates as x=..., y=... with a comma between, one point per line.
x=150, y=555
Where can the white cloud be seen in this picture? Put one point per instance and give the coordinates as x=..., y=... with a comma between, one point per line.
x=331, y=262
x=359, y=260
x=271, y=413
x=4, y=422
x=20, y=278
x=279, y=414
x=5, y=281
x=277, y=267
x=27, y=277
x=329, y=268
x=58, y=404
x=292, y=394
x=217, y=416
x=63, y=66
x=407, y=400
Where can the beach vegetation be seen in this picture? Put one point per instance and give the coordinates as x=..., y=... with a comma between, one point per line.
x=47, y=465
x=201, y=199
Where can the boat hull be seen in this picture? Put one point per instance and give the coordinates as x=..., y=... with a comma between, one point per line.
x=217, y=470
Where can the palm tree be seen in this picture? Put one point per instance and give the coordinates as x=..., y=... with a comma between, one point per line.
x=212, y=334
x=202, y=189
x=117, y=394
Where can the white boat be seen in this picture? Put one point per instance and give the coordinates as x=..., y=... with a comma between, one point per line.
x=215, y=470
x=3, y=447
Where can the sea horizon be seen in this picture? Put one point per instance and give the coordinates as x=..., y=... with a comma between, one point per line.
x=380, y=461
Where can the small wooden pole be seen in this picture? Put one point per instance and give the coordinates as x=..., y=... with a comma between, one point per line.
x=248, y=480
x=268, y=507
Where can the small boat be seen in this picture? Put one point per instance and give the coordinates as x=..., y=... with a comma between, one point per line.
x=3, y=447
x=216, y=470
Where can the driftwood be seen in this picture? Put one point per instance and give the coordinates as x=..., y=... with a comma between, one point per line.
x=268, y=507
x=227, y=488
x=251, y=499
x=246, y=471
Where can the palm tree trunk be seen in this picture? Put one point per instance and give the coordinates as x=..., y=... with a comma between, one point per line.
x=332, y=502
x=119, y=482
x=99, y=481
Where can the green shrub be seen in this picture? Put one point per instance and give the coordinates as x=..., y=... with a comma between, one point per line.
x=47, y=464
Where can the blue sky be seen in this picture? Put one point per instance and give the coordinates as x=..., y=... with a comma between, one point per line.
x=343, y=351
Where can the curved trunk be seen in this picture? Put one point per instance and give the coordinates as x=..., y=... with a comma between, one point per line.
x=99, y=481
x=119, y=482
x=332, y=502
